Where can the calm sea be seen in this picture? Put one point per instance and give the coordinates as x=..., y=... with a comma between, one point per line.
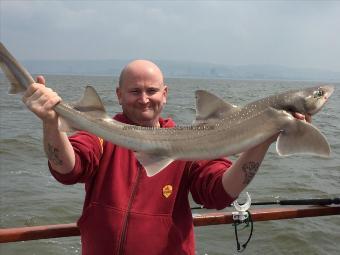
x=30, y=196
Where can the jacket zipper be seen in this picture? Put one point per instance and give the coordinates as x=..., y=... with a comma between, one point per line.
x=126, y=218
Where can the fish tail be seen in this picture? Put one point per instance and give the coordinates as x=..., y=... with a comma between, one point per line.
x=18, y=76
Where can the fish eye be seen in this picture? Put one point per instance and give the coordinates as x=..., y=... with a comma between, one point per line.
x=318, y=93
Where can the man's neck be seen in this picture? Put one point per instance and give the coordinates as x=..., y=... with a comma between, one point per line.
x=154, y=123
x=149, y=123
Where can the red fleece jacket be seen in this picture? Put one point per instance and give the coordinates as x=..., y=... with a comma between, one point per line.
x=126, y=212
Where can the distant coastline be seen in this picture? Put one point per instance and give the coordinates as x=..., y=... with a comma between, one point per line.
x=174, y=69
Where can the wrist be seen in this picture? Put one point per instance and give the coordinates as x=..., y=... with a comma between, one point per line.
x=262, y=147
x=51, y=124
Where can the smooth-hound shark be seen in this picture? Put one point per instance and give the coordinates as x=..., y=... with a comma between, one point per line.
x=221, y=129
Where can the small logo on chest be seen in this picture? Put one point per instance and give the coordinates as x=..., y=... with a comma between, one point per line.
x=167, y=191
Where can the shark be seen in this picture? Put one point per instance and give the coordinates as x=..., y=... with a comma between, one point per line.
x=220, y=129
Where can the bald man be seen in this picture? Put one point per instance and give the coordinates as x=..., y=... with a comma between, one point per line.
x=126, y=212
x=142, y=93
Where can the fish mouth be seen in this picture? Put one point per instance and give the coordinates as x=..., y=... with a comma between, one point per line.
x=329, y=90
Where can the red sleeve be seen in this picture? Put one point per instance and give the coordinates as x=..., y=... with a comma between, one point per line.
x=206, y=183
x=88, y=151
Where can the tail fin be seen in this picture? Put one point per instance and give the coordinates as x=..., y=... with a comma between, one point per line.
x=18, y=76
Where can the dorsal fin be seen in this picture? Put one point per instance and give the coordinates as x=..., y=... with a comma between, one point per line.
x=210, y=107
x=90, y=103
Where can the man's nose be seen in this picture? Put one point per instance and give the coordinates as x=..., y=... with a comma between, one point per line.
x=144, y=98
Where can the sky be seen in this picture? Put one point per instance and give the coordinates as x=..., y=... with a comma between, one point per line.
x=302, y=34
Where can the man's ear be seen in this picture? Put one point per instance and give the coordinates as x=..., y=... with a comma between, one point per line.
x=119, y=95
x=165, y=94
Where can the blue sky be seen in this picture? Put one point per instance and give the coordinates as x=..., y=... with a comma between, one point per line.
x=302, y=34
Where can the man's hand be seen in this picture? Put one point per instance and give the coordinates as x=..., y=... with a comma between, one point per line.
x=299, y=116
x=41, y=101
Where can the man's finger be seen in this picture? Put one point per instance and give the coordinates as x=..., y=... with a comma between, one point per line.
x=40, y=79
x=299, y=116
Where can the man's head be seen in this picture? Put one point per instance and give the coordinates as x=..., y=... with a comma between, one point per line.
x=141, y=92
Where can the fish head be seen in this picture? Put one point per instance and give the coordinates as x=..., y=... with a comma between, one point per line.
x=308, y=100
x=316, y=98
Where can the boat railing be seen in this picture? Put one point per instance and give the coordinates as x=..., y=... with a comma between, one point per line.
x=200, y=219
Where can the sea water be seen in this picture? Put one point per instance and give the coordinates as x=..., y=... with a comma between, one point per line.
x=30, y=196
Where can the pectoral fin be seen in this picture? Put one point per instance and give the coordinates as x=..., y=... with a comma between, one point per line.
x=304, y=138
x=152, y=163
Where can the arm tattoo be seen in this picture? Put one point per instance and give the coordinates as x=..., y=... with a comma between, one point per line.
x=250, y=169
x=52, y=155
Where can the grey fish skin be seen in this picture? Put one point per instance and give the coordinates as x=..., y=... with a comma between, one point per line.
x=222, y=129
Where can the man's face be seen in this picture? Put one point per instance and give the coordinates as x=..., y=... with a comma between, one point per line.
x=142, y=98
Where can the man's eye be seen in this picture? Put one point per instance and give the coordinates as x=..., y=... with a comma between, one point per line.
x=152, y=91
